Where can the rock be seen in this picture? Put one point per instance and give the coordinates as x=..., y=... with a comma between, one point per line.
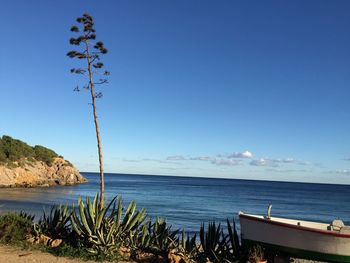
x=42, y=239
x=38, y=173
x=174, y=257
x=145, y=257
x=124, y=252
x=56, y=243
x=45, y=240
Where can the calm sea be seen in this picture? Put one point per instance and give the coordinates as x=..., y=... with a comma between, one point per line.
x=187, y=202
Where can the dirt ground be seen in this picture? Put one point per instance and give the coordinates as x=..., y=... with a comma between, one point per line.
x=9, y=254
x=16, y=255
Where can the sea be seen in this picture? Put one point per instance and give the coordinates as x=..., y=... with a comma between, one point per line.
x=187, y=202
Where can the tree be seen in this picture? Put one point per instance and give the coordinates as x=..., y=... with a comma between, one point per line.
x=90, y=52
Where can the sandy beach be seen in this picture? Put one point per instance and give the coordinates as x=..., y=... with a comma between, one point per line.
x=11, y=254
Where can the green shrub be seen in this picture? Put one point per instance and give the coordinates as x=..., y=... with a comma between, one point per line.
x=3, y=158
x=15, y=151
x=14, y=228
x=72, y=250
x=12, y=165
x=44, y=154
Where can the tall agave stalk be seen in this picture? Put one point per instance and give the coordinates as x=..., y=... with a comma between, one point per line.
x=90, y=52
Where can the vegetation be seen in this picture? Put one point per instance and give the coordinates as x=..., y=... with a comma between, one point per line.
x=104, y=230
x=116, y=232
x=15, y=228
x=44, y=154
x=15, y=152
x=256, y=254
x=54, y=224
x=90, y=51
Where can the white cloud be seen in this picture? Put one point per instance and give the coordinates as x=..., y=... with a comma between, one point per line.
x=131, y=160
x=201, y=158
x=303, y=163
x=276, y=162
x=279, y=170
x=346, y=159
x=237, y=158
x=220, y=159
x=263, y=162
x=157, y=160
x=176, y=158
x=227, y=162
x=288, y=160
x=246, y=154
x=344, y=172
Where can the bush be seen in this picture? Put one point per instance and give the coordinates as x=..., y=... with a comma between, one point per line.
x=14, y=228
x=44, y=154
x=13, y=149
x=14, y=152
x=2, y=156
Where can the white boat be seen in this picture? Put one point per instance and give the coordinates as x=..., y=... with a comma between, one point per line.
x=302, y=239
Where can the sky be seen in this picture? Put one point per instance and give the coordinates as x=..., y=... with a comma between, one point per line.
x=226, y=89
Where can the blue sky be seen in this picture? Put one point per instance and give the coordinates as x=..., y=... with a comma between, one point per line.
x=233, y=89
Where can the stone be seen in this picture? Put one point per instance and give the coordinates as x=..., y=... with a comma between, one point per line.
x=43, y=239
x=145, y=257
x=124, y=252
x=174, y=257
x=56, y=243
x=60, y=172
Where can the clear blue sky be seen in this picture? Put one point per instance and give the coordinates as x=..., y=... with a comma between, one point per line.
x=234, y=89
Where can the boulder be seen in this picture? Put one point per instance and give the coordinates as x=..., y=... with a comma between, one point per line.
x=38, y=173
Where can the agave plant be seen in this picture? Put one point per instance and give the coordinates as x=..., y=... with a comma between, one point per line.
x=27, y=216
x=54, y=224
x=217, y=246
x=104, y=229
x=233, y=244
x=213, y=243
x=187, y=245
x=141, y=238
x=162, y=238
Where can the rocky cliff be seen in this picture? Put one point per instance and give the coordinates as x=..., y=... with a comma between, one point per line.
x=40, y=173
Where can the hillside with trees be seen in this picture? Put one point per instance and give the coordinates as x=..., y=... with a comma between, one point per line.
x=13, y=150
x=25, y=165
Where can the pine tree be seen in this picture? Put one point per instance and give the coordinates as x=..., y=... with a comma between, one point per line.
x=90, y=51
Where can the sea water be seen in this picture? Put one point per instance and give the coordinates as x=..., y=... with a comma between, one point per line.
x=186, y=202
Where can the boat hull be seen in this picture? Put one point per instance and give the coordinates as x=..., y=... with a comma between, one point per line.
x=294, y=240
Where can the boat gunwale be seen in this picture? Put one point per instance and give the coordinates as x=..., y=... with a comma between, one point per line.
x=303, y=228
